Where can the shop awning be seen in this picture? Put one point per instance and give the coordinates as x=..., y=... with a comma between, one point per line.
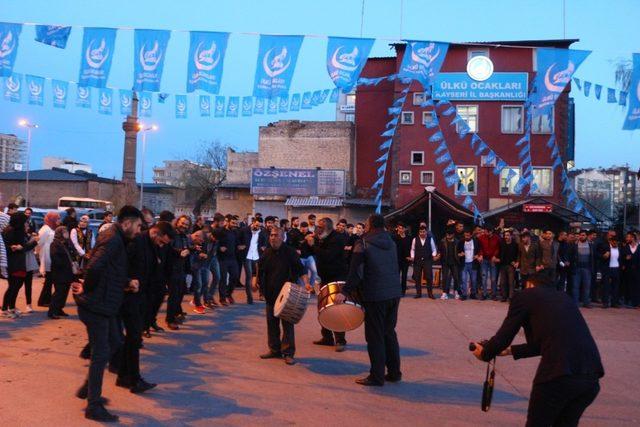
x=301, y=201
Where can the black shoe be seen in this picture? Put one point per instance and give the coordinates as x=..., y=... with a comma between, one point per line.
x=141, y=386
x=85, y=353
x=250, y=302
x=289, y=360
x=173, y=326
x=271, y=355
x=472, y=296
x=605, y=305
x=99, y=413
x=123, y=382
x=393, y=378
x=587, y=306
x=83, y=393
x=147, y=334
x=340, y=348
x=62, y=314
x=463, y=298
x=53, y=316
x=113, y=368
x=417, y=296
x=157, y=327
x=324, y=342
x=368, y=381
x=503, y=300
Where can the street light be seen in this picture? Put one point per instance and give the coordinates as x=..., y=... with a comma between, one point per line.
x=144, y=129
x=25, y=124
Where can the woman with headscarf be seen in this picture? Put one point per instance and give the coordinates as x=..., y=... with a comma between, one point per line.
x=61, y=271
x=17, y=242
x=51, y=221
x=32, y=263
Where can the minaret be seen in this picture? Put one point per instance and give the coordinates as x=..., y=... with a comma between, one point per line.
x=131, y=129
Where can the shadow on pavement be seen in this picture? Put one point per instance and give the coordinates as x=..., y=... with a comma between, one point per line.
x=332, y=366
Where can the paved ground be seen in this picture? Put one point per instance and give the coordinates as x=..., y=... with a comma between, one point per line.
x=209, y=372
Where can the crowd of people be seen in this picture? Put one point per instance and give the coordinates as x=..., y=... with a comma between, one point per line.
x=121, y=274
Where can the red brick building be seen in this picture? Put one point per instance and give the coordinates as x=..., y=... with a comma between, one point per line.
x=500, y=123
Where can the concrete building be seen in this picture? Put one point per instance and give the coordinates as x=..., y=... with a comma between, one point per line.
x=500, y=123
x=63, y=163
x=607, y=188
x=233, y=196
x=172, y=173
x=161, y=197
x=13, y=152
x=46, y=186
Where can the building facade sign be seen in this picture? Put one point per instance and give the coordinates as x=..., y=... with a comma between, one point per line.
x=297, y=182
x=497, y=87
x=530, y=208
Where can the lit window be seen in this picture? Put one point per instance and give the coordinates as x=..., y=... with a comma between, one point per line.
x=543, y=178
x=350, y=99
x=542, y=123
x=426, y=178
x=472, y=53
x=427, y=117
x=469, y=114
x=418, y=98
x=350, y=118
x=468, y=180
x=508, y=179
x=512, y=116
x=405, y=177
x=417, y=158
x=407, y=117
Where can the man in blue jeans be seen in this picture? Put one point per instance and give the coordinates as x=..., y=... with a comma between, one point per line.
x=254, y=243
x=470, y=259
x=582, y=264
x=306, y=255
x=199, y=269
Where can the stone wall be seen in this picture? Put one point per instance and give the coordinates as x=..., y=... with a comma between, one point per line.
x=239, y=166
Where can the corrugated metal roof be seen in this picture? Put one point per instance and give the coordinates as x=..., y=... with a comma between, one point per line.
x=42, y=175
x=298, y=201
x=364, y=202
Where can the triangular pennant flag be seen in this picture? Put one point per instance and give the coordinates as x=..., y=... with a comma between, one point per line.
x=392, y=123
x=442, y=147
x=468, y=201
x=378, y=183
x=451, y=168
x=474, y=140
x=436, y=137
x=577, y=82
x=398, y=102
x=499, y=167
x=383, y=158
x=388, y=132
x=611, y=96
x=449, y=111
x=442, y=102
x=382, y=169
x=597, y=91
x=444, y=158
x=587, y=88
x=385, y=145
x=552, y=141
x=622, y=100
x=428, y=102
x=394, y=111
x=481, y=147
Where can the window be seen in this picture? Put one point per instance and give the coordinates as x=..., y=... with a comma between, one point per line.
x=509, y=177
x=468, y=180
x=350, y=99
x=428, y=117
x=418, y=98
x=405, y=177
x=543, y=178
x=473, y=52
x=542, y=123
x=512, y=116
x=469, y=114
x=427, y=178
x=350, y=118
x=407, y=118
x=417, y=158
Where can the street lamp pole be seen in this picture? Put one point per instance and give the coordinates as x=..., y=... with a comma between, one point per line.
x=144, y=150
x=29, y=126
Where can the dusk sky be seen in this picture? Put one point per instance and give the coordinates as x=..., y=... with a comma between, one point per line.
x=611, y=29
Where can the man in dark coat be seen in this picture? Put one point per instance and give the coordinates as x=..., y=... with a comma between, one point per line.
x=279, y=264
x=328, y=249
x=403, y=249
x=566, y=382
x=374, y=270
x=99, y=300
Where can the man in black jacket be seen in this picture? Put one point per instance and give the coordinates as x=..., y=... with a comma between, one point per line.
x=374, y=270
x=145, y=270
x=279, y=264
x=566, y=382
x=328, y=250
x=179, y=263
x=99, y=300
x=403, y=249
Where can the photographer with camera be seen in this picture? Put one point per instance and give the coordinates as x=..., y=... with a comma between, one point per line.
x=566, y=382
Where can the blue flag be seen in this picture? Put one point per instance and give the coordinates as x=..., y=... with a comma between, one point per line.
x=277, y=57
x=334, y=96
x=83, y=98
x=9, y=37
x=105, y=101
x=345, y=59
x=306, y=101
x=97, y=52
x=272, y=106
x=145, y=105
x=295, y=102
x=632, y=121
x=611, y=96
x=148, y=57
x=283, y=104
x=422, y=61
x=181, y=106
x=126, y=100
x=555, y=69
x=219, y=107
x=247, y=106
x=622, y=100
x=258, y=106
x=205, y=105
x=59, y=89
x=13, y=87
x=597, y=90
x=206, y=61
x=587, y=88
x=233, y=106
x=35, y=85
x=324, y=95
x=53, y=35
x=315, y=98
